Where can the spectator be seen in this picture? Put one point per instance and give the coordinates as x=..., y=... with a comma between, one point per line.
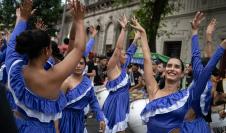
x=64, y=47
x=101, y=71
x=134, y=75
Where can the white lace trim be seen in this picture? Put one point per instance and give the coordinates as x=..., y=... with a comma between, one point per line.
x=120, y=126
x=31, y=113
x=175, y=106
x=120, y=85
x=80, y=97
x=202, y=100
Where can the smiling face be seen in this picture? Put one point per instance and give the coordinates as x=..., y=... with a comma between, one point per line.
x=174, y=70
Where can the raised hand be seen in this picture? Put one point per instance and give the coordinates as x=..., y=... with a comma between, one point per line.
x=40, y=25
x=93, y=31
x=26, y=9
x=199, y=17
x=123, y=21
x=78, y=10
x=223, y=44
x=211, y=27
x=136, y=25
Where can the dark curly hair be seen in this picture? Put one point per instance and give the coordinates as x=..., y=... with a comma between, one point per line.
x=32, y=42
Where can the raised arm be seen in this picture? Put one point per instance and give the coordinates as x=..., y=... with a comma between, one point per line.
x=208, y=47
x=197, y=66
x=114, y=60
x=63, y=69
x=150, y=81
x=91, y=42
x=24, y=13
x=205, y=74
x=132, y=49
x=71, y=38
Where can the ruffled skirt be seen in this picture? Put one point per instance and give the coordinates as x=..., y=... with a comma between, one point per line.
x=34, y=126
x=198, y=125
x=72, y=121
x=116, y=110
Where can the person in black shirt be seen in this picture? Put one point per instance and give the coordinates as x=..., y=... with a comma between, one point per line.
x=134, y=75
x=101, y=71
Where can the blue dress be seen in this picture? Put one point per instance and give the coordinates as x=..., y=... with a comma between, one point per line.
x=78, y=98
x=167, y=113
x=200, y=106
x=37, y=114
x=116, y=106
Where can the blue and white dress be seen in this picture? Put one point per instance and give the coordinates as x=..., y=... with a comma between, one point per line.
x=167, y=113
x=201, y=108
x=37, y=114
x=78, y=98
x=116, y=106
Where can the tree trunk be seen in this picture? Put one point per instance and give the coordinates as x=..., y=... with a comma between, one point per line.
x=158, y=10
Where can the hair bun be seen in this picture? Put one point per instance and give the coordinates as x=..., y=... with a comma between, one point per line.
x=23, y=42
x=32, y=42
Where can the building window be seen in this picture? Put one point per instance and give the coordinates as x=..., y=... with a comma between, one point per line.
x=110, y=34
x=109, y=37
x=172, y=48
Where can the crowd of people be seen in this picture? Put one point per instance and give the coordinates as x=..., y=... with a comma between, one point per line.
x=48, y=86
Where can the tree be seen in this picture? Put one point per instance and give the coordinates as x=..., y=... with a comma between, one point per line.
x=7, y=10
x=150, y=14
x=48, y=10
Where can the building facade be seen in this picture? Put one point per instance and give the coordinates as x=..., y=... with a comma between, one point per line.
x=179, y=26
x=103, y=14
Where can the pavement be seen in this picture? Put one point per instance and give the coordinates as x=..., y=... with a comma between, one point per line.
x=92, y=126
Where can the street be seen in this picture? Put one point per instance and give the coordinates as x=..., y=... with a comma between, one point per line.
x=92, y=126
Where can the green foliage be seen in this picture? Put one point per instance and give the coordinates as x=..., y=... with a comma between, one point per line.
x=7, y=10
x=48, y=10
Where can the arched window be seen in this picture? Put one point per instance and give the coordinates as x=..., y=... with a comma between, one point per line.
x=109, y=38
x=110, y=34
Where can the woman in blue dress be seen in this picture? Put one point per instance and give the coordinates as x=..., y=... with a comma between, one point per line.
x=39, y=101
x=167, y=107
x=116, y=106
x=79, y=91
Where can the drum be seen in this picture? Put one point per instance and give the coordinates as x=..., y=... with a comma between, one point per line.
x=101, y=94
x=135, y=122
x=218, y=124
